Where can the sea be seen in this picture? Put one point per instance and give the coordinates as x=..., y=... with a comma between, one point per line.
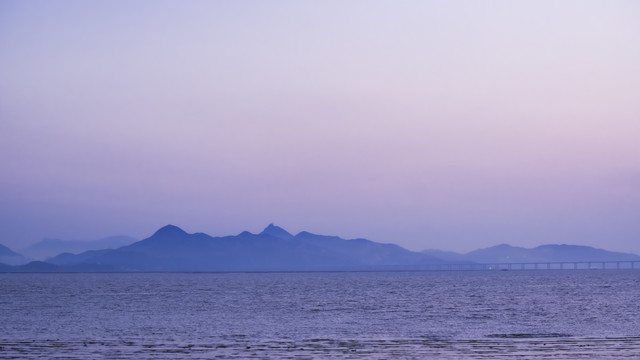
x=554, y=314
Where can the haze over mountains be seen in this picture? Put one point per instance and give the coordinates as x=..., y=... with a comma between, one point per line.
x=51, y=247
x=10, y=257
x=274, y=249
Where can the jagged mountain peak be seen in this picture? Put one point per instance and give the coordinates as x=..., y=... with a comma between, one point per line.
x=276, y=231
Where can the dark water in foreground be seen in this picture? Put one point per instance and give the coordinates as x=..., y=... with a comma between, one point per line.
x=377, y=315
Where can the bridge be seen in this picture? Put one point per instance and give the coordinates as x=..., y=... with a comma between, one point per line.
x=558, y=265
x=552, y=265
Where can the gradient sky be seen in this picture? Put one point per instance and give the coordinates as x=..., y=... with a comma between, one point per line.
x=431, y=124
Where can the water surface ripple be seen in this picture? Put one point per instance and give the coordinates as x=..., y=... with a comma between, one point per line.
x=354, y=315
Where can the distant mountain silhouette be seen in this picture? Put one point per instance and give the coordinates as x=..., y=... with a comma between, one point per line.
x=545, y=253
x=51, y=247
x=10, y=257
x=274, y=249
x=172, y=249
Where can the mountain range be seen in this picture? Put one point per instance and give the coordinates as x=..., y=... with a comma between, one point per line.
x=274, y=249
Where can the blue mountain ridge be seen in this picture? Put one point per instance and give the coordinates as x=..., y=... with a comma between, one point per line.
x=274, y=249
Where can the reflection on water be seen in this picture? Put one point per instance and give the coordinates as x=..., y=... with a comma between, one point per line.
x=576, y=314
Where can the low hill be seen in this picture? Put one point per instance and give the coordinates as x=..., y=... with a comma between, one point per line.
x=545, y=253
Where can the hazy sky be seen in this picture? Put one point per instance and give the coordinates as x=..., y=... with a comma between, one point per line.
x=430, y=124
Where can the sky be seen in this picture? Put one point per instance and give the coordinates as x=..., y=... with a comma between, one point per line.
x=450, y=125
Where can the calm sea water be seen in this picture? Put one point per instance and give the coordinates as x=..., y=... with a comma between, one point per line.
x=372, y=315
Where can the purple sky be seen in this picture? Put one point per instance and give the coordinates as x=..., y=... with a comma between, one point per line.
x=431, y=124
